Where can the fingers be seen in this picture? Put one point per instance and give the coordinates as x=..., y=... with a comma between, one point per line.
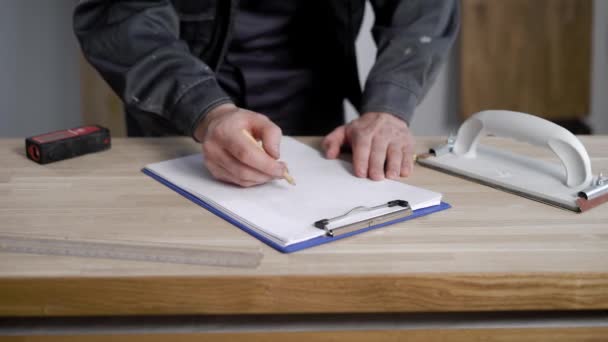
x=242, y=171
x=333, y=141
x=226, y=167
x=377, y=158
x=395, y=160
x=251, y=155
x=407, y=165
x=361, y=145
x=224, y=175
x=383, y=146
x=270, y=134
x=392, y=161
x=233, y=157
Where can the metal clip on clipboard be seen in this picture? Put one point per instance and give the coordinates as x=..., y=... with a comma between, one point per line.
x=568, y=184
x=404, y=211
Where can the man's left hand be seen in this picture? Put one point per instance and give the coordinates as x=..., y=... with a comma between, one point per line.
x=375, y=138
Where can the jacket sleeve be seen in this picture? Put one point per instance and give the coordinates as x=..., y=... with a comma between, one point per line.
x=413, y=38
x=135, y=46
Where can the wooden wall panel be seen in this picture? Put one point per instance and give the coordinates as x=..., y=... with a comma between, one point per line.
x=526, y=55
x=99, y=104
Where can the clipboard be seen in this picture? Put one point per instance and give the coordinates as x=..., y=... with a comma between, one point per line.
x=333, y=233
x=568, y=184
x=327, y=205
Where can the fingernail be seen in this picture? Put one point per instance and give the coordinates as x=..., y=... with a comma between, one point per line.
x=279, y=171
x=392, y=174
x=377, y=177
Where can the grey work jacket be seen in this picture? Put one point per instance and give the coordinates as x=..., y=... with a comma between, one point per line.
x=160, y=56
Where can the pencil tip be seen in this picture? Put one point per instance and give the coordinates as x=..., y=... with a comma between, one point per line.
x=289, y=179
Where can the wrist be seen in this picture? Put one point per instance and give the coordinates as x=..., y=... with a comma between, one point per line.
x=386, y=115
x=203, y=125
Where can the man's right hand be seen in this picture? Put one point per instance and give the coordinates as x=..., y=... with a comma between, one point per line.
x=229, y=154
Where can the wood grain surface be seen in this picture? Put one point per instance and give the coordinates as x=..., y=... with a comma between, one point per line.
x=528, y=56
x=552, y=334
x=491, y=251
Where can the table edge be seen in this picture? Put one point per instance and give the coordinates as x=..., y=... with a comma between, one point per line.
x=300, y=294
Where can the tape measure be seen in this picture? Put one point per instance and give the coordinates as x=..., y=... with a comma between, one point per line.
x=211, y=256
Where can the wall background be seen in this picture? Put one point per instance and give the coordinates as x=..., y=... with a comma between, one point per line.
x=39, y=67
x=40, y=83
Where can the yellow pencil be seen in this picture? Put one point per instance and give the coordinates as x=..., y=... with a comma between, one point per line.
x=286, y=174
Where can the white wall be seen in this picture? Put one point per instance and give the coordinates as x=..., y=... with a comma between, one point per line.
x=438, y=113
x=39, y=72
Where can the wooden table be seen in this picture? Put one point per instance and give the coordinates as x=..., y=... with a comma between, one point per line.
x=492, y=252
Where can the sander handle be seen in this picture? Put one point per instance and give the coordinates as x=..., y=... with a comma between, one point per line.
x=531, y=129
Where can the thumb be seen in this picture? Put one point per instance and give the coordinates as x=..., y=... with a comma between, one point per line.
x=333, y=141
x=270, y=134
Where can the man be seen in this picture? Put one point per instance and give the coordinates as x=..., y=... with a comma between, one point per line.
x=208, y=68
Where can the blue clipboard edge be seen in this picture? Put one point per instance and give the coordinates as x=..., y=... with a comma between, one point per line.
x=297, y=246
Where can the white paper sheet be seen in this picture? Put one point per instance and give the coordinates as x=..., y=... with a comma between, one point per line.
x=286, y=213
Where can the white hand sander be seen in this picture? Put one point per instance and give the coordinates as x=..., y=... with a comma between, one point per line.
x=569, y=184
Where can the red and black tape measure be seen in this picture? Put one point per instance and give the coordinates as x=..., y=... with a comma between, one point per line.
x=69, y=143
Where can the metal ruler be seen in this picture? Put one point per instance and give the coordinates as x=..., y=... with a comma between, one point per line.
x=212, y=256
